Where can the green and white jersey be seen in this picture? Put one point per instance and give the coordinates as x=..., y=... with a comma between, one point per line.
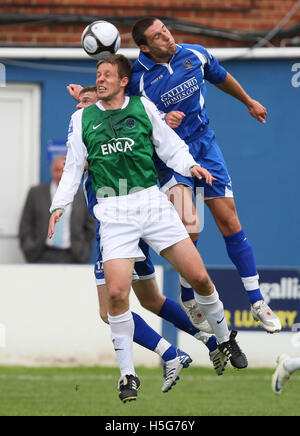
x=119, y=145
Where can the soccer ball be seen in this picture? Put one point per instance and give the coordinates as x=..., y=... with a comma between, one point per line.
x=100, y=39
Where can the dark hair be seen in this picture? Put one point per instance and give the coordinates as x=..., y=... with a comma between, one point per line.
x=90, y=88
x=139, y=29
x=124, y=65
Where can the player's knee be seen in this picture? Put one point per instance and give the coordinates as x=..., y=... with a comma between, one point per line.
x=104, y=317
x=117, y=295
x=202, y=283
x=230, y=224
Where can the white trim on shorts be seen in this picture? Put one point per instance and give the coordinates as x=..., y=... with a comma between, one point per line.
x=135, y=278
x=100, y=282
x=171, y=183
x=148, y=277
x=228, y=194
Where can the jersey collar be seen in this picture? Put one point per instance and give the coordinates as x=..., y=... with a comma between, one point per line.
x=148, y=63
x=125, y=104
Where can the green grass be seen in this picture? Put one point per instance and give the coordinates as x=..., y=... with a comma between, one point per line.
x=85, y=391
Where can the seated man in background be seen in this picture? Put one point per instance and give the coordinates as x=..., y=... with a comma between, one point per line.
x=73, y=241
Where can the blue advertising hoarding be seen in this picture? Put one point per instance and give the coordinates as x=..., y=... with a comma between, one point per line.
x=281, y=290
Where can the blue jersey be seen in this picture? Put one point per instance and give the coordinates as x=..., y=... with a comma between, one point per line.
x=179, y=85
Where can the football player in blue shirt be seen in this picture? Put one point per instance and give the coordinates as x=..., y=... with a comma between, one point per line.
x=173, y=77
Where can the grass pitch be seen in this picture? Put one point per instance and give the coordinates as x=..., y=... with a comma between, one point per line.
x=82, y=391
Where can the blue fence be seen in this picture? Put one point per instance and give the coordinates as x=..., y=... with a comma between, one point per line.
x=263, y=160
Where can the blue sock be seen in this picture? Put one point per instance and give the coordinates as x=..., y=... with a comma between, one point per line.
x=255, y=296
x=172, y=312
x=212, y=343
x=145, y=336
x=241, y=254
x=169, y=354
x=187, y=293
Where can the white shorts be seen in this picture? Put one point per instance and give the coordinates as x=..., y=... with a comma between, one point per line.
x=147, y=214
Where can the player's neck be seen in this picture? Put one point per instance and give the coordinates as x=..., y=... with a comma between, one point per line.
x=114, y=103
x=160, y=60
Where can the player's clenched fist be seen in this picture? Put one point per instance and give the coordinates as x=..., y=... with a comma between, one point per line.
x=174, y=119
x=74, y=91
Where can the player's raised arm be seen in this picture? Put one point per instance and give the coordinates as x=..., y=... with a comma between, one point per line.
x=231, y=86
x=74, y=91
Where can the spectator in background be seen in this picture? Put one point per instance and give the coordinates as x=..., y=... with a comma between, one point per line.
x=75, y=234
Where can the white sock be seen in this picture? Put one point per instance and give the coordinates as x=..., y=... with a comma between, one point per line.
x=183, y=282
x=251, y=283
x=162, y=347
x=203, y=337
x=122, y=330
x=213, y=309
x=292, y=365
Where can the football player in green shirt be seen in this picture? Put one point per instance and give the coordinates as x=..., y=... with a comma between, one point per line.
x=117, y=137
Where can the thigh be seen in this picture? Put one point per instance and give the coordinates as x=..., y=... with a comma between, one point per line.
x=118, y=273
x=225, y=214
x=187, y=261
x=181, y=196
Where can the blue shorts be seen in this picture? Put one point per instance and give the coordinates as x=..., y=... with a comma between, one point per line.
x=207, y=153
x=142, y=270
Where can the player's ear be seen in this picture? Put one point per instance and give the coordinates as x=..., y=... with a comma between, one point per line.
x=124, y=82
x=144, y=48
